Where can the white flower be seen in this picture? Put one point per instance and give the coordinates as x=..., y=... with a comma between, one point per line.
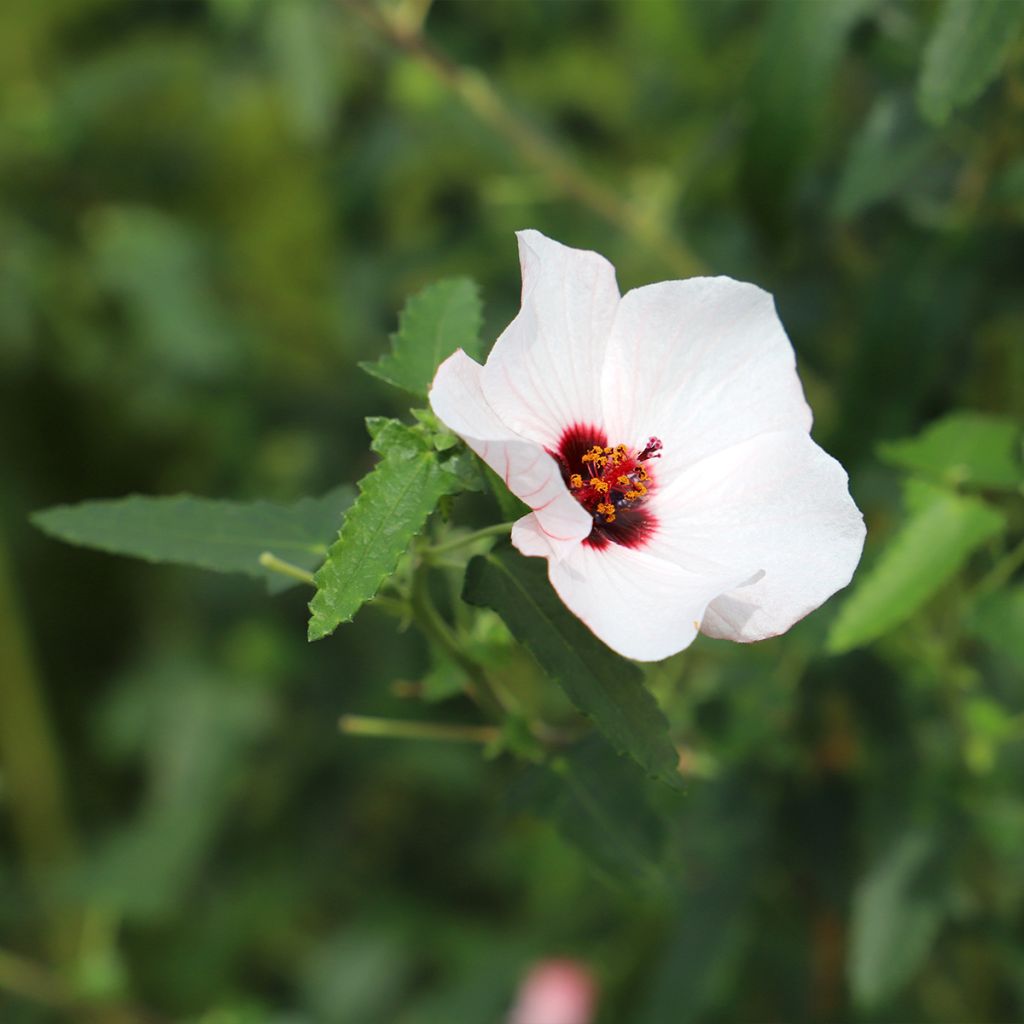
x=662, y=440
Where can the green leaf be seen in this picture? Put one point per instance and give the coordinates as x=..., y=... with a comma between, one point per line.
x=225, y=536
x=434, y=323
x=600, y=803
x=395, y=499
x=603, y=685
x=159, y=271
x=885, y=157
x=195, y=727
x=789, y=97
x=965, y=448
x=896, y=917
x=942, y=531
x=967, y=49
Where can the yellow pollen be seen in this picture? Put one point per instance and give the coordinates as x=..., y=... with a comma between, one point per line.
x=623, y=480
x=575, y=481
x=606, y=508
x=632, y=495
x=600, y=486
x=610, y=519
x=640, y=489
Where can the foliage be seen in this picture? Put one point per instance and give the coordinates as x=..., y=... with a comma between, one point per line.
x=434, y=323
x=211, y=213
x=603, y=685
x=223, y=536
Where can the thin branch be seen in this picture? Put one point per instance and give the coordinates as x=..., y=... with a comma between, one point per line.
x=468, y=538
x=477, y=93
x=392, y=728
x=33, y=982
x=270, y=561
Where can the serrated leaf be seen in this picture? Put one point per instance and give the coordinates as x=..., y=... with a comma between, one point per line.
x=390, y=436
x=223, y=536
x=600, y=803
x=967, y=49
x=965, y=448
x=938, y=537
x=896, y=918
x=435, y=322
x=395, y=499
x=603, y=685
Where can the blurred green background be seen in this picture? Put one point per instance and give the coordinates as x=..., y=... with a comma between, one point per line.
x=210, y=212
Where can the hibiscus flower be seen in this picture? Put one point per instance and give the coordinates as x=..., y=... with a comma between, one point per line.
x=662, y=441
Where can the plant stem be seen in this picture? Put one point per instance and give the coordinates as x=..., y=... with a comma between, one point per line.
x=31, y=759
x=469, y=538
x=37, y=983
x=270, y=561
x=478, y=94
x=31, y=981
x=1001, y=573
x=429, y=619
x=391, y=728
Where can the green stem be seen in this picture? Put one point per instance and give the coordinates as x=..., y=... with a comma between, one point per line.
x=466, y=539
x=392, y=605
x=1001, y=573
x=32, y=982
x=391, y=728
x=270, y=561
x=430, y=621
x=31, y=759
x=477, y=93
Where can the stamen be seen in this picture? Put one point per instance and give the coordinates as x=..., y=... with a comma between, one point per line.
x=653, y=445
x=611, y=483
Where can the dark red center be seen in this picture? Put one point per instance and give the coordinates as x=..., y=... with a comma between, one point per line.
x=612, y=482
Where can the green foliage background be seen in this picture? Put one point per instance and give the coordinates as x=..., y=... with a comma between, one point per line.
x=210, y=215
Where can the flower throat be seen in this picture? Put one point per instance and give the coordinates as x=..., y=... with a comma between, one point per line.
x=611, y=482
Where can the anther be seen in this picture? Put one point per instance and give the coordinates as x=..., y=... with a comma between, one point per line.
x=653, y=446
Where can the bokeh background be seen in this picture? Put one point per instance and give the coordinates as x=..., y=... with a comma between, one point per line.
x=210, y=212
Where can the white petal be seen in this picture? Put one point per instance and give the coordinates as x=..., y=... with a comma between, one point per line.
x=639, y=605
x=702, y=364
x=776, y=505
x=544, y=372
x=529, y=537
x=528, y=471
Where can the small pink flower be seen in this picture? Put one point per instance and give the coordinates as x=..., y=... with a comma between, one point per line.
x=662, y=440
x=556, y=992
